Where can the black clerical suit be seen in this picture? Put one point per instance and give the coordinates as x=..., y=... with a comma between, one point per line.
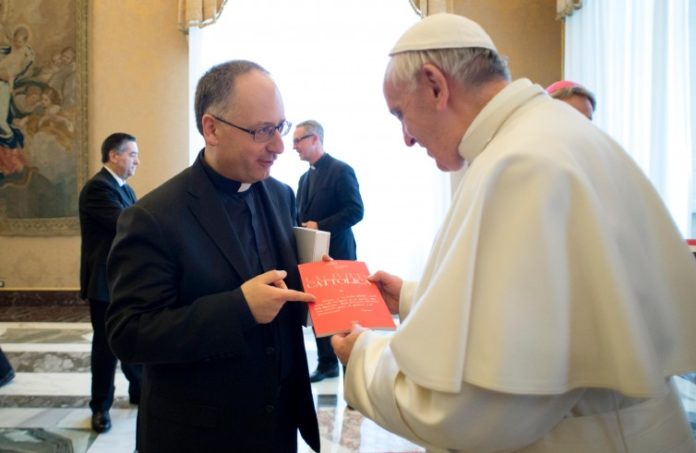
x=329, y=195
x=215, y=380
x=101, y=202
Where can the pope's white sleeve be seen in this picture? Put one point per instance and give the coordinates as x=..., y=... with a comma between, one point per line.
x=475, y=419
x=406, y=296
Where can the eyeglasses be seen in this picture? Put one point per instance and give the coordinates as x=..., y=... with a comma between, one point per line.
x=262, y=134
x=295, y=141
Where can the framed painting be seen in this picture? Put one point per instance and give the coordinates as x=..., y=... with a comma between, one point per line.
x=43, y=115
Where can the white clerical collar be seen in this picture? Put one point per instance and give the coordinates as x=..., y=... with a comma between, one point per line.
x=121, y=182
x=243, y=187
x=493, y=115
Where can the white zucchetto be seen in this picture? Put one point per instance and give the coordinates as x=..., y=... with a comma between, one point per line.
x=443, y=31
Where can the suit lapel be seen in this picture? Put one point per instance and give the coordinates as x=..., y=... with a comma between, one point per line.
x=279, y=231
x=303, y=195
x=282, y=240
x=131, y=194
x=318, y=178
x=125, y=199
x=206, y=206
x=315, y=185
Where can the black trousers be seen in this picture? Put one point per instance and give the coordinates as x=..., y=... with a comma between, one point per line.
x=326, y=354
x=103, y=364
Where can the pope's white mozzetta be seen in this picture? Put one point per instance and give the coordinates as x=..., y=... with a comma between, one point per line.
x=557, y=302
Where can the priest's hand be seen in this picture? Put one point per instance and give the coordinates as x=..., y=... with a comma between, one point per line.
x=390, y=287
x=342, y=343
x=267, y=293
x=311, y=224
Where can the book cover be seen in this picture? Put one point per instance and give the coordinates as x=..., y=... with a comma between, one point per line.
x=344, y=296
x=311, y=244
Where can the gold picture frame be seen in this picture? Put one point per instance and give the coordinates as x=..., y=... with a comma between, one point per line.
x=43, y=115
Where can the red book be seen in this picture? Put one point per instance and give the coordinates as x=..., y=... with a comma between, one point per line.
x=344, y=296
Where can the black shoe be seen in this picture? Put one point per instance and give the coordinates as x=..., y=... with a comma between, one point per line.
x=320, y=375
x=7, y=377
x=101, y=421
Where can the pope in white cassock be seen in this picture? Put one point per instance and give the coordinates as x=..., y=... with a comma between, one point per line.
x=558, y=299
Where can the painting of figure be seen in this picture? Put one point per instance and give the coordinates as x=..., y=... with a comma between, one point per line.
x=42, y=115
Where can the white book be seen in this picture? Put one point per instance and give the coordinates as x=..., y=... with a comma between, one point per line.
x=311, y=244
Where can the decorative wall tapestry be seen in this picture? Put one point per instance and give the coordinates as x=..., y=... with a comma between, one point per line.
x=43, y=115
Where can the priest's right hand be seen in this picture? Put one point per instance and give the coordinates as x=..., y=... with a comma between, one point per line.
x=390, y=287
x=267, y=293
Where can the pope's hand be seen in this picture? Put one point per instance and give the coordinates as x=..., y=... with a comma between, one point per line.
x=390, y=287
x=343, y=343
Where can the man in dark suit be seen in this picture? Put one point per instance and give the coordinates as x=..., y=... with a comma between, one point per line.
x=328, y=198
x=102, y=200
x=200, y=272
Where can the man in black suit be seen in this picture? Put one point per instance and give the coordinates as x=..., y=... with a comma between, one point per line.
x=102, y=200
x=200, y=272
x=328, y=198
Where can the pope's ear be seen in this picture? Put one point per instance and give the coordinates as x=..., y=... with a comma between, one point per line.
x=437, y=84
x=209, y=129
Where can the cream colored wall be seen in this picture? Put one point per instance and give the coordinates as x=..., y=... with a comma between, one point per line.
x=525, y=31
x=138, y=83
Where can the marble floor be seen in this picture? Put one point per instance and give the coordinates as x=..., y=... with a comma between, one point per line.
x=45, y=408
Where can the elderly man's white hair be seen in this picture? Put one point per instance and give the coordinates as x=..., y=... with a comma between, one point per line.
x=457, y=45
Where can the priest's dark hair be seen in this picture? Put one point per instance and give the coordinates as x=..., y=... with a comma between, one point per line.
x=215, y=86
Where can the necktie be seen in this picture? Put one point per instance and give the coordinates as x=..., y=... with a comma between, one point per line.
x=130, y=196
